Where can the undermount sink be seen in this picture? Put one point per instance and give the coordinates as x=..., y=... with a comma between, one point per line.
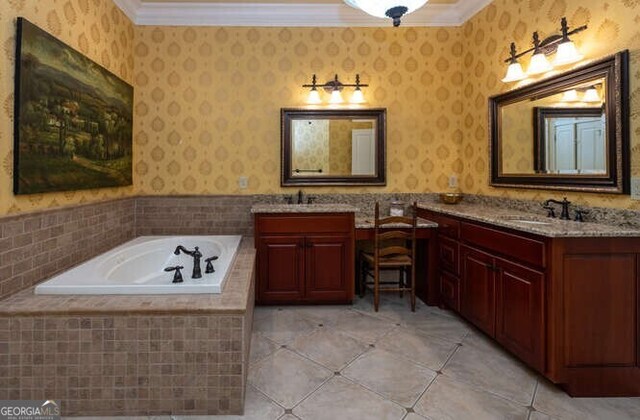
x=528, y=220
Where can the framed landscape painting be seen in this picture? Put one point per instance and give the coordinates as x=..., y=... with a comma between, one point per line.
x=73, y=118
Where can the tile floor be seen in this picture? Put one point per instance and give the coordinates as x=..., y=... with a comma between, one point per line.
x=341, y=362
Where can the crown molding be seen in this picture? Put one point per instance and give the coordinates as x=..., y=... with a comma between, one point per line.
x=289, y=15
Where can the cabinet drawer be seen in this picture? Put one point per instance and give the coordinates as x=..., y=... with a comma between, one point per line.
x=307, y=223
x=449, y=254
x=450, y=291
x=516, y=247
x=446, y=225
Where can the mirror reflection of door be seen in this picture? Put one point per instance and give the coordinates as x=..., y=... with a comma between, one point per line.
x=571, y=141
x=577, y=145
x=363, y=151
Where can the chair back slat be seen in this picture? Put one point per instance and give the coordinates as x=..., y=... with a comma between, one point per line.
x=395, y=220
x=394, y=250
x=394, y=234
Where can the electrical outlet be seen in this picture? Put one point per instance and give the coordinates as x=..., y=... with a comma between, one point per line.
x=243, y=182
x=635, y=188
x=453, y=181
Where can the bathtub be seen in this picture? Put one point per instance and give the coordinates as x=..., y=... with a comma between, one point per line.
x=137, y=267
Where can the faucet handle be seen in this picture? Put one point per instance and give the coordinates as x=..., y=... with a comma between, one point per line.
x=209, y=269
x=580, y=215
x=177, y=277
x=310, y=199
x=288, y=199
x=550, y=211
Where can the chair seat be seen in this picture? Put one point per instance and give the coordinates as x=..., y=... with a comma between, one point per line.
x=390, y=261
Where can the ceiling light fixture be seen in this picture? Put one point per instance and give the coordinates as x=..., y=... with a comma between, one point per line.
x=560, y=44
x=334, y=88
x=394, y=9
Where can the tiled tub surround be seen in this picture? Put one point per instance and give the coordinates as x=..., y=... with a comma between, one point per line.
x=35, y=246
x=131, y=355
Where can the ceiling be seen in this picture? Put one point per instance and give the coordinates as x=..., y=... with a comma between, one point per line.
x=301, y=13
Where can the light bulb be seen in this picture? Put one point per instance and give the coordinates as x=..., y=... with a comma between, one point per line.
x=539, y=64
x=357, y=97
x=567, y=53
x=336, y=97
x=514, y=73
x=570, y=96
x=314, y=97
x=591, y=95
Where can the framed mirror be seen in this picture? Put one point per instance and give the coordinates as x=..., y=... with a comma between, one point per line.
x=333, y=146
x=568, y=132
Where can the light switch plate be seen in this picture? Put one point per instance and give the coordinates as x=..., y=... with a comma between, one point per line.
x=635, y=188
x=243, y=182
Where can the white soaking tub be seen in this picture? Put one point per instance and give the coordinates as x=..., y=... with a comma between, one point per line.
x=137, y=268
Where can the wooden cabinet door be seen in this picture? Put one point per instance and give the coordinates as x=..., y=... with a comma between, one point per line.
x=519, y=312
x=450, y=290
x=329, y=268
x=281, y=269
x=477, y=289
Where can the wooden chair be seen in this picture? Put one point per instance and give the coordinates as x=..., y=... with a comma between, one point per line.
x=393, y=249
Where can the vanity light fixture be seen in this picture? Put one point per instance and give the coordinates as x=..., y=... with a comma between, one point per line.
x=591, y=95
x=314, y=95
x=559, y=44
x=567, y=52
x=570, y=96
x=393, y=9
x=334, y=88
x=539, y=63
x=515, y=71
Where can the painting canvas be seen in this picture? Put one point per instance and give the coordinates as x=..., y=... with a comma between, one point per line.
x=73, y=118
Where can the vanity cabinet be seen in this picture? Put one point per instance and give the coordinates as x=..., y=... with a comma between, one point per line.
x=304, y=258
x=566, y=306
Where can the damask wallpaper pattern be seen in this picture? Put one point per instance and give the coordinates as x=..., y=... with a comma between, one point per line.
x=96, y=28
x=208, y=102
x=613, y=26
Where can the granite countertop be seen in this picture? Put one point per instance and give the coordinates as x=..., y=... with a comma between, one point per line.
x=234, y=299
x=543, y=225
x=364, y=222
x=303, y=208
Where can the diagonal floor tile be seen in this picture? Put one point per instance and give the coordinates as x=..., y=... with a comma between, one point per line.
x=493, y=371
x=447, y=399
x=326, y=315
x=340, y=399
x=331, y=349
x=363, y=327
x=261, y=348
x=414, y=416
x=395, y=378
x=283, y=326
x=556, y=403
x=427, y=351
x=440, y=326
x=287, y=377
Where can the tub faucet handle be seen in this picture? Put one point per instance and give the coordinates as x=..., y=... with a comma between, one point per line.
x=177, y=276
x=209, y=268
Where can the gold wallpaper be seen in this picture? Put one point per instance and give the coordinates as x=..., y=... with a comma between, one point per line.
x=96, y=28
x=208, y=102
x=613, y=26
